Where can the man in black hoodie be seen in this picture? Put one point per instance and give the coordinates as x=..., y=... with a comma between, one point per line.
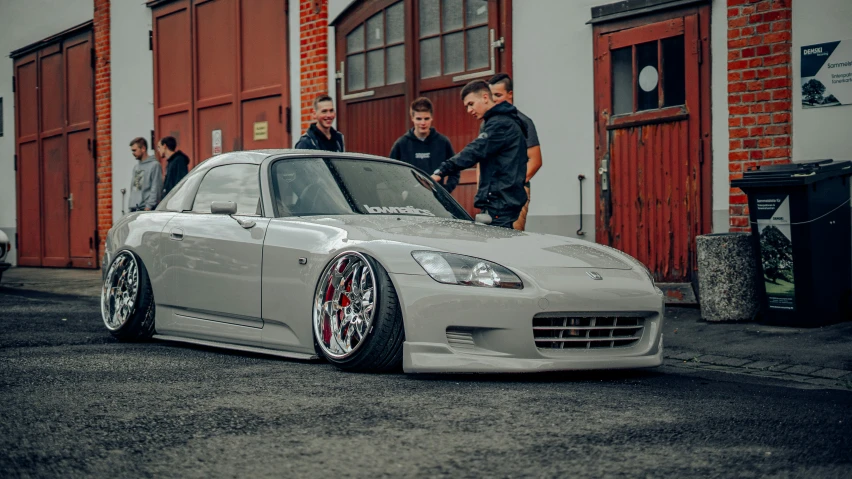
x=177, y=166
x=321, y=135
x=501, y=152
x=423, y=147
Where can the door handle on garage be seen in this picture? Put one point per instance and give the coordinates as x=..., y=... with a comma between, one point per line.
x=176, y=234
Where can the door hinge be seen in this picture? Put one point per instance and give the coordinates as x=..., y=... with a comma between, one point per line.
x=152, y=140
x=700, y=53
x=16, y=244
x=151, y=40
x=700, y=151
x=14, y=83
x=97, y=242
x=16, y=162
x=92, y=58
x=280, y=114
x=289, y=121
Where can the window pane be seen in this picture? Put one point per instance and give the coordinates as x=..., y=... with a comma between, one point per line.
x=355, y=72
x=375, y=31
x=305, y=187
x=375, y=68
x=430, y=58
x=622, y=81
x=396, y=23
x=429, y=17
x=451, y=15
x=649, y=78
x=477, y=48
x=355, y=40
x=236, y=183
x=453, y=53
x=674, y=77
x=476, y=12
x=396, y=64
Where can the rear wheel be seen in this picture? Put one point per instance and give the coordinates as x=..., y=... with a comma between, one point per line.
x=127, y=300
x=357, y=318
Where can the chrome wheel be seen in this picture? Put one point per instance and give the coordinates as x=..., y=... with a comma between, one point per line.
x=120, y=292
x=344, y=305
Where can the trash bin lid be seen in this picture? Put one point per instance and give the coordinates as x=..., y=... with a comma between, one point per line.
x=791, y=174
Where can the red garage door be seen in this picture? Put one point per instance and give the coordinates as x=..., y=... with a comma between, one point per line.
x=55, y=161
x=221, y=75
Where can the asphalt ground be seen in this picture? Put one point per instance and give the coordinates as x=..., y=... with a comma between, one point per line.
x=77, y=403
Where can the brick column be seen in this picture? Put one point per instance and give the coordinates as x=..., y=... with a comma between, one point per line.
x=313, y=40
x=103, y=120
x=759, y=91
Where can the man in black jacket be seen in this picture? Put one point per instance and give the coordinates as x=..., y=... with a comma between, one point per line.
x=321, y=135
x=423, y=147
x=501, y=152
x=177, y=166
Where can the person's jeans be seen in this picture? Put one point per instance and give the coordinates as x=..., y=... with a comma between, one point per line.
x=504, y=219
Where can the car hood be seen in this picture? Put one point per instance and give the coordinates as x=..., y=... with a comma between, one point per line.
x=501, y=245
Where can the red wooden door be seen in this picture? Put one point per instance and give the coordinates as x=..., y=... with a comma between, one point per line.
x=221, y=76
x=649, y=144
x=56, y=171
x=390, y=52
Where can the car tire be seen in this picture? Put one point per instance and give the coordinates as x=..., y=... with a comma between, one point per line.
x=380, y=347
x=127, y=299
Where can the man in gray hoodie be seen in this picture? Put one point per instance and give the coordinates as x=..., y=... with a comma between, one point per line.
x=146, y=183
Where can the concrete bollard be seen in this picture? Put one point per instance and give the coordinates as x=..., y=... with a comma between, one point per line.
x=727, y=277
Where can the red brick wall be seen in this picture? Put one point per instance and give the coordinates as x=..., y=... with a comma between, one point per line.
x=313, y=39
x=759, y=91
x=103, y=121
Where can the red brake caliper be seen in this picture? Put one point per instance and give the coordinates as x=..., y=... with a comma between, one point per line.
x=326, y=321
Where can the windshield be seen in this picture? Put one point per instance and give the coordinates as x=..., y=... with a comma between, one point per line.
x=317, y=186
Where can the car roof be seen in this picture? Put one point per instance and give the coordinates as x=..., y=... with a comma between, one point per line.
x=257, y=156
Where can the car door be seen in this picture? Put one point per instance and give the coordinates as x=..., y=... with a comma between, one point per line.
x=217, y=258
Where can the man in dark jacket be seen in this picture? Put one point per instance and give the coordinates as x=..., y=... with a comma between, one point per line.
x=423, y=147
x=177, y=166
x=321, y=135
x=501, y=152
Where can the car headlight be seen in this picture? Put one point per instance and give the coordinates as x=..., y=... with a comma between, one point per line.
x=451, y=268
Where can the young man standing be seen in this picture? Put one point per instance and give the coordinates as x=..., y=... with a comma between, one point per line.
x=501, y=90
x=321, y=135
x=146, y=182
x=177, y=165
x=501, y=152
x=423, y=147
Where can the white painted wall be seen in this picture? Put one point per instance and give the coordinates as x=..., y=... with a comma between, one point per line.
x=719, y=100
x=819, y=133
x=132, y=90
x=295, y=59
x=23, y=22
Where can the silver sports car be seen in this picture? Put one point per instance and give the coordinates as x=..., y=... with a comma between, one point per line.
x=370, y=264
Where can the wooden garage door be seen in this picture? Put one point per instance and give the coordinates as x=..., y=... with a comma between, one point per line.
x=221, y=80
x=55, y=161
x=390, y=52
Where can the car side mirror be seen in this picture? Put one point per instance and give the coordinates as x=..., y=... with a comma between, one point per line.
x=223, y=208
x=483, y=218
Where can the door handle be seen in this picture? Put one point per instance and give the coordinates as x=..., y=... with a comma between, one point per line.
x=604, y=172
x=176, y=234
x=70, y=200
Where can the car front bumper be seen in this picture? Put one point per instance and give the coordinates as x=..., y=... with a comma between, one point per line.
x=464, y=329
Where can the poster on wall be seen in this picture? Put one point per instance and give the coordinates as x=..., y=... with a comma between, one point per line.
x=776, y=250
x=827, y=74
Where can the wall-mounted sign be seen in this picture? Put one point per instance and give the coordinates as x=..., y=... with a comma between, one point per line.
x=261, y=130
x=827, y=74
x=217, y=142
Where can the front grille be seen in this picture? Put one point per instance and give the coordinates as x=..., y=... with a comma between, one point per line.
x=554, y=331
